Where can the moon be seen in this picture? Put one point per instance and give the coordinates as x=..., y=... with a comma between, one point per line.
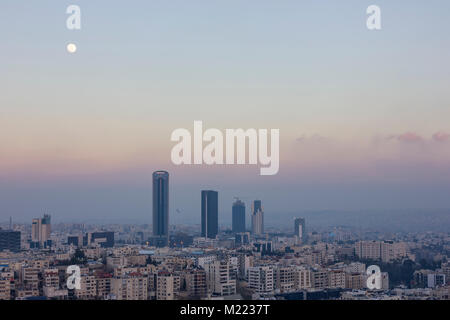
x=71, y=48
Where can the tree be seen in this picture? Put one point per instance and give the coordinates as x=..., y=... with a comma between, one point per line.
x=78, y=258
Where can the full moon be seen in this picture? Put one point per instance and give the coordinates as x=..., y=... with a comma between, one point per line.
x=71, y=48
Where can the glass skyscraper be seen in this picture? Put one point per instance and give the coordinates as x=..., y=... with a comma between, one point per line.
x=161, y=208
x=210, y=214
x=300, y=229
x=238, y=216
x=257, y=218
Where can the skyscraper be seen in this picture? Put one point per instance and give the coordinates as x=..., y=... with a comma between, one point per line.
x=300, y=229
x=210, y=214
x=161, y=208
x=257, y=217
x=9, y=240
x=40, y=232
x=238, y=216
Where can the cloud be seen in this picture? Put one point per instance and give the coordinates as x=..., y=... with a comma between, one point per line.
x=441, y=136
x=407, y=137
x=315, y=138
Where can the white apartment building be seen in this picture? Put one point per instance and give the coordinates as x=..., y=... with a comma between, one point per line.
x=261, y=279
x=221, y=278
x=302, y=278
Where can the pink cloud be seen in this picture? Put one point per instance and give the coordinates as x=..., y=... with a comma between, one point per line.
x=408, y=137
x=441, y=136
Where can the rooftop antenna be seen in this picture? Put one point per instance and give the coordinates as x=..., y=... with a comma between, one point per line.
x=10, y=223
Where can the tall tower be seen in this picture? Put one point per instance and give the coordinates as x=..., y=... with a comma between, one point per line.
x=161, y=208
x=257, y=217
x=238, y=216
x=210, y=214
x=300, y=229
x=40, y=232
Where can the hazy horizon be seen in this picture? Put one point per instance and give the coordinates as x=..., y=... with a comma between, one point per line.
x=363, y=116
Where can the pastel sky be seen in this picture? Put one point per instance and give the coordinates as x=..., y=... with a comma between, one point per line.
x=363, y=115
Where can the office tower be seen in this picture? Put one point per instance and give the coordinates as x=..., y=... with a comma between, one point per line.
x=238, y=216
x=9, y=240
x=40, y=232
x=300, y=229
x=210, y=214
x=76, y=241
x=161, y=208
x=257, y=218
x=105, y=239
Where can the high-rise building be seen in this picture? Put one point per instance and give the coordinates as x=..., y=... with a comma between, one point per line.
x=300, y=229
x=9, y=240
x=210, y=214
x=238, y=216
x=40, y=232
x=257, y=218
x=161, y=208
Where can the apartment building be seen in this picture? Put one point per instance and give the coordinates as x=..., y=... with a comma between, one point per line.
x=261, y=279
x=284, y=279
x=130, y=287
x=196, y=285
x=167, y=286
x=221, y=278
x=336, y=279
x=302, y=278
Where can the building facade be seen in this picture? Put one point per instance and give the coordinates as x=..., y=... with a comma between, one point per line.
x=161, y=208
x=238, y=216
x=210, y=213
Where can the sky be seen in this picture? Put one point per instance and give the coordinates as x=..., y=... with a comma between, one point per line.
x=363, y=115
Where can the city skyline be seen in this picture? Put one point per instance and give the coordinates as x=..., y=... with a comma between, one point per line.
x=362, y=115
x=231, y=158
